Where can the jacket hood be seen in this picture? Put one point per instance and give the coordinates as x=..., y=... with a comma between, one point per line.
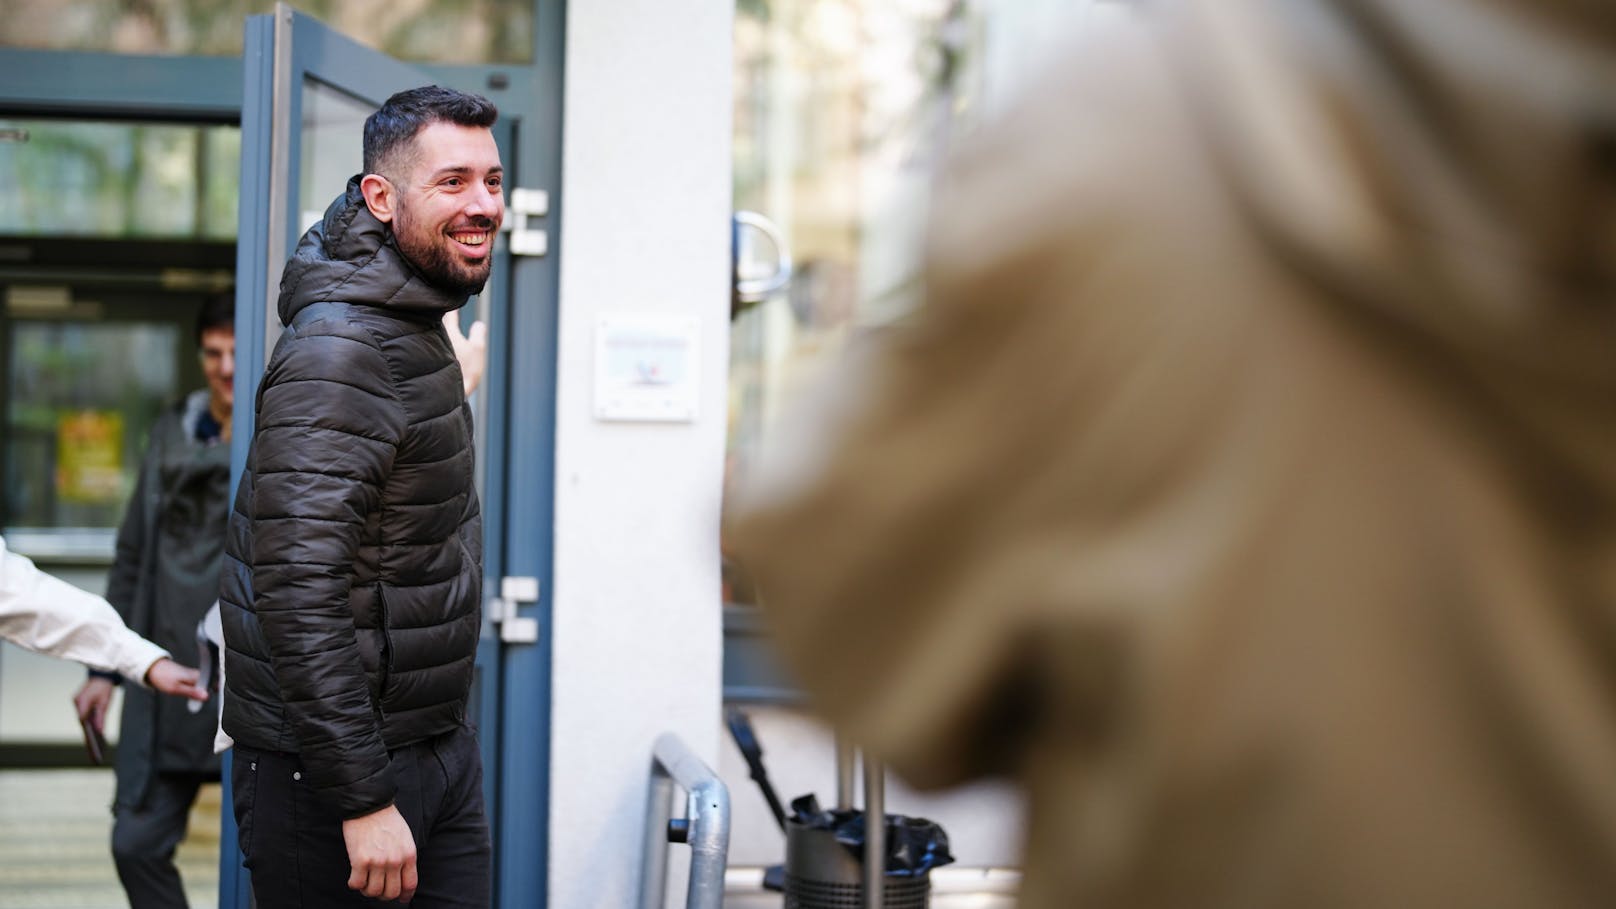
x=350, y=257
x=1446, y=169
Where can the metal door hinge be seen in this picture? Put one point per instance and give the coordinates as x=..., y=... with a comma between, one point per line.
x=525, y=204
x=502, y=610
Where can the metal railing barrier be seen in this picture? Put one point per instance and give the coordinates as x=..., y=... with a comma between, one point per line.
x=704, y=826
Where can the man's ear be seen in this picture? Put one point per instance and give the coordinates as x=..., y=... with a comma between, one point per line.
x=381, y=197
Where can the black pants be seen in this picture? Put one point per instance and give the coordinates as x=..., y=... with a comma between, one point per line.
x=144, y=840
x=293, y=841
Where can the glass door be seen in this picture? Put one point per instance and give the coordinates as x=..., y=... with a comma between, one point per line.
x=308, y=90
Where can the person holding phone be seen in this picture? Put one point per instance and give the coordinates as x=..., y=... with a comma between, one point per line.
x=164, y=578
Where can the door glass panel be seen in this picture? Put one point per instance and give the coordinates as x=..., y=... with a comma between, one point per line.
x=333, y=133
x=83, y=178
x=428, y=31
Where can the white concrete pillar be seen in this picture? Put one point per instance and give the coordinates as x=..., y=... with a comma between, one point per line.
x=645, y=231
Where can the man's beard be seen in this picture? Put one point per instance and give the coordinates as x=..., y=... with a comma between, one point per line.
x=430, y=254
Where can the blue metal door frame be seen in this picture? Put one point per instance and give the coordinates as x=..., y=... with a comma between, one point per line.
x=529, y=355
x=91, y=85
x=520, y=382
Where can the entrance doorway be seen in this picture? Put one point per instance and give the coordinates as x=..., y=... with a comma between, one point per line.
x=112, y=233
x=224, y=98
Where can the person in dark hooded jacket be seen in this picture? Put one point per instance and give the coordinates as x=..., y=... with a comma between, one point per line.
x=164, y=578
x=353, y=560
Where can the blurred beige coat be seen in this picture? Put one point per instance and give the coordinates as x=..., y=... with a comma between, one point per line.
x=1245, y=487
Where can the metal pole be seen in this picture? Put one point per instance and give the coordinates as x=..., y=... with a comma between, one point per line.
x=659, y=807
x=709, y=843
x=844, y=774
x=875, y=833
x=278, y=218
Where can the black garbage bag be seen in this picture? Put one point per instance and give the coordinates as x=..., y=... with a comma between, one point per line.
x=914, y=844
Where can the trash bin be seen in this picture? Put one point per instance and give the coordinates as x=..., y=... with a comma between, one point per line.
x=824, y=859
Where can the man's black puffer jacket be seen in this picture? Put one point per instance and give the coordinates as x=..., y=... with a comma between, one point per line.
x=353, y=564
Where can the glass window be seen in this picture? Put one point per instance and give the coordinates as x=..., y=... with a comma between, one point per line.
x=428, y=31
x=840, y=109
x=111, y=235
x=843, y=112
x=80, y=397
x=80, y=178
x=333, y=147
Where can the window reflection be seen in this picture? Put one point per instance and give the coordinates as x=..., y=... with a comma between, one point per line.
x=78, y=178
x=843, y=112
x=428, y=31
x=333, y=130
x=841, y=108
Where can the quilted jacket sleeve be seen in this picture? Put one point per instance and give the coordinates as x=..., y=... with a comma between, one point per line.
x=329, y=426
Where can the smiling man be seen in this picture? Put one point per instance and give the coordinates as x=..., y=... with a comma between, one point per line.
x=353, y=563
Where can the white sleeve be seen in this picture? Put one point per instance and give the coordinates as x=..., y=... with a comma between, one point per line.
x=50, y=616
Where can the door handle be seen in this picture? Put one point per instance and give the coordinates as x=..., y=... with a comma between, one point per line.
x=754, y=285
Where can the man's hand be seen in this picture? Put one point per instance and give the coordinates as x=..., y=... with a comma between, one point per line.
x=381, y=851
x=92, y=700
x=169, y=677
x=472, y=352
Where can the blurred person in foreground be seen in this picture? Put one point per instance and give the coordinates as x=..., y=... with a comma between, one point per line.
x=1246, y=487
x=47, y=615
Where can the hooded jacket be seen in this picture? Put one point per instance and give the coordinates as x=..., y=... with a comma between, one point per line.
x=1246, y=486
x=353, y=565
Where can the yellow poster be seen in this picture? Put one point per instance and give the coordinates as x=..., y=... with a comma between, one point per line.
x=89, y=456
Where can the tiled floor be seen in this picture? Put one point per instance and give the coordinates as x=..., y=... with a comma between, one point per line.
x=54, y=830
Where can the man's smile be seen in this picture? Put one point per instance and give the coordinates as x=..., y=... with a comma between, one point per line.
x=475, y=241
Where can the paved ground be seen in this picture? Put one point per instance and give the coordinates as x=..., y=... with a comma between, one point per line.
x=952, y=888
x=54, y=828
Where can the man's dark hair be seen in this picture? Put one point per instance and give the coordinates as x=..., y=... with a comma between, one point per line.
x=218, y=311
x=389, y=131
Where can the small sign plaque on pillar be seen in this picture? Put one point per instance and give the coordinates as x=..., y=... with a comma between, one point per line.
x=647, y=368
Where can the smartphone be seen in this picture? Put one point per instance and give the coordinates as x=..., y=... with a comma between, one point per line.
x=94, y=742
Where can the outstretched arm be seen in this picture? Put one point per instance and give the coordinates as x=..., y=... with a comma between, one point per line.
x=49, y=616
